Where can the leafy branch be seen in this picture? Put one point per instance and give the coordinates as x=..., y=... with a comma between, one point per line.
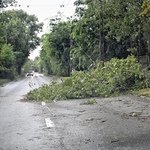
x=124, y=75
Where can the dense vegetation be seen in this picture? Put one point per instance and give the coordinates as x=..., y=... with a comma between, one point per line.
x=100, y=42
x=32, y=65
x=18, y=37
x=116, y=77
x=103, y=36
x=100, y=30
x=55, y=51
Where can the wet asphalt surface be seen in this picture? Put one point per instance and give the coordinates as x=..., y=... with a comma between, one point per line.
x=119, y=123
x=22, y=124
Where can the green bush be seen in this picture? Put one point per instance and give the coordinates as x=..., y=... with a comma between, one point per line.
x=6, y=73
x=7, y=62
x=116, y=76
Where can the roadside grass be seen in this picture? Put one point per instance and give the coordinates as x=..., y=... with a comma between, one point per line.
x=142, y=92
x=89, y=102
x=3, y=81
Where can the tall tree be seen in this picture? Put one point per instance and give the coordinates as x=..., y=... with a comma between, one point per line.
x=145, y=15
x=7, y=58
x=123, y=29
x=21, y=32
x=45, y=61
x=123, y=22
x=7, y=62
x=86, y=33
x=146, y=9
x=6, y=3
x=56, y=44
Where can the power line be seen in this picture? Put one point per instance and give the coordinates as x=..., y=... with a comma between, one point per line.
x=43, y=5
x=62, y=5
x=66, y=6
x=22, y=3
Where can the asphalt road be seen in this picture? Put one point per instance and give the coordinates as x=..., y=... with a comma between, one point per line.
x=120, y=123
x=22, y=124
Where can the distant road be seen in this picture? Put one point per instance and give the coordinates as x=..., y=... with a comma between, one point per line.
x=22, y=85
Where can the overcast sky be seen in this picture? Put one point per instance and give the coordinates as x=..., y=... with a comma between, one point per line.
x=44, y=9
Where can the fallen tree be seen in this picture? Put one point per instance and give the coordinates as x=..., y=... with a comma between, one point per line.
x=115, y=77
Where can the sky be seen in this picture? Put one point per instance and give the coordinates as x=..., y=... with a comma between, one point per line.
x=45, y=9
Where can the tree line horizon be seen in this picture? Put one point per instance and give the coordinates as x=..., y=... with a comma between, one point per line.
x=98, y=31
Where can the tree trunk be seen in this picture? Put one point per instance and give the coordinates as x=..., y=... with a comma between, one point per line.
x=101, y=35
x=5, y=33
x=70, y=61
x=100, y=53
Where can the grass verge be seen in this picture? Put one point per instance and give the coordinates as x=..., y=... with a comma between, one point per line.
x=142, y=92
x=3, y=81
x=89, y=102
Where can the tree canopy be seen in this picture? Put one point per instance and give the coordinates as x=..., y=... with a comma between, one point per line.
x=20, y=31
x=100, y=30
x=6, y=3
x=56, y=49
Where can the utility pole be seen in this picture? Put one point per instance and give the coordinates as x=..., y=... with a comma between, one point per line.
x=100, y=37
x=102, y=18
x=101, y=33
x=5, y=33
x=71, y=43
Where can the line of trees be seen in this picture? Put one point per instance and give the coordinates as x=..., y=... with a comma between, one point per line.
x=55, y=53
x=101, y=30
x=18, y=37
x=32, y=65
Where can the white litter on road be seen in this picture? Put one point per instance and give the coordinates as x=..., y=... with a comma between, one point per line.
x=43, y=103
x=49, y=123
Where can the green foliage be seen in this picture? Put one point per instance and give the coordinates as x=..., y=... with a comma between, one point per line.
x=36, y=66
x=3, y=81
x=123, y=29
x=6, y=3
x=2, y=32
x=85, y=32
x=27, y=66
x=6, y=73
x=7, y=62
x=45, y=92
x=146, y=9
x=89, y=102
x=55, y=51
x=67, y=82
x=21, y=32
x=132, y=50
x=31, y=65
x=117, y=75
x=45, y=62
x=7, y=58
